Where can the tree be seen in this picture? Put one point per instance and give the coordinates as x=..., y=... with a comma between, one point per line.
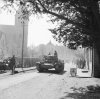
x=78, y=21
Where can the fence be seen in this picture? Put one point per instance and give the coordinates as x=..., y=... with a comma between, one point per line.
x=28, y=62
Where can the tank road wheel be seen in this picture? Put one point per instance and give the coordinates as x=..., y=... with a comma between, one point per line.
x=39, y=68
x=59, y=68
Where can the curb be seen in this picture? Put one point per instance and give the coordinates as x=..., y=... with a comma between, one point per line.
x=19, y=70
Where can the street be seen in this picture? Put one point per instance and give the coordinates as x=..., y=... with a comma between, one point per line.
x=49, y=85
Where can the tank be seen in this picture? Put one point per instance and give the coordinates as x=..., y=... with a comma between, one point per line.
x=49, y=62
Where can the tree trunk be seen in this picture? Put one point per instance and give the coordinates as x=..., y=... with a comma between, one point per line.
x=96, y=36
x=96, y=58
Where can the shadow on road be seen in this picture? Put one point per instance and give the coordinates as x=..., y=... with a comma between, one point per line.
x=1, y=72
x=91, y=92
x=54, y=72
x=23, y=70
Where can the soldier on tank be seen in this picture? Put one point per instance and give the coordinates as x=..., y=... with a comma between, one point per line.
x=56, y=55
x=49, y=53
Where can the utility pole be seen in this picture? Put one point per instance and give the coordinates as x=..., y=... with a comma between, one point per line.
x=23, y=46
x=24, y=18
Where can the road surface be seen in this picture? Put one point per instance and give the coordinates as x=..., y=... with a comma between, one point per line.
x=49, y=85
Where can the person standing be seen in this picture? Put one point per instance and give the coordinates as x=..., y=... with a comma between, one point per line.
x=12, y=64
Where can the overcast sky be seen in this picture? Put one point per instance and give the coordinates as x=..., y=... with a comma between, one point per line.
x=38, y=32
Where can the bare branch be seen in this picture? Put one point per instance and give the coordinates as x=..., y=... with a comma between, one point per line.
x=42, y=5
x=64, y=18
x=69, y=21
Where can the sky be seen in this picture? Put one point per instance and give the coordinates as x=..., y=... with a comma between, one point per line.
x=38, y=32
x=7, y=19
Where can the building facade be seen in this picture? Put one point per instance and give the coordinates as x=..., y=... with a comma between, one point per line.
x=11, y=37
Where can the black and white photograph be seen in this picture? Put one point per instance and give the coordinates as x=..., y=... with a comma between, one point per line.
x=49, y=49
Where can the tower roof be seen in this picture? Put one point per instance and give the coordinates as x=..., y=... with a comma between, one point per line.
x=50, y=43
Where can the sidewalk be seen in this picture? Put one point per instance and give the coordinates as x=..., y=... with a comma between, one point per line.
x=25, y=69
x=8, y=72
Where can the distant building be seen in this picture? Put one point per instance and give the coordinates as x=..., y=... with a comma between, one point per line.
x=11, y=38
x=50, y=48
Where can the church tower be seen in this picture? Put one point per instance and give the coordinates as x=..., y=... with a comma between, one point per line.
x=12, y=35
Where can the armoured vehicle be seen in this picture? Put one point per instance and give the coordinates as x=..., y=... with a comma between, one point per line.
x=49, y=62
